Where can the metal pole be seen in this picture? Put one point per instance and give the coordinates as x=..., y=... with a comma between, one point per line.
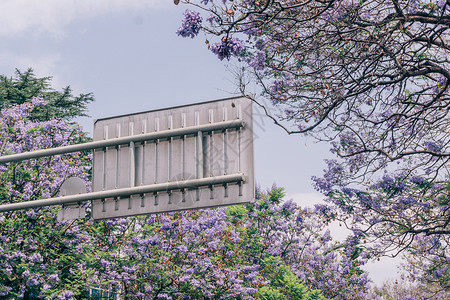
x=125, y=192
x=122, y=140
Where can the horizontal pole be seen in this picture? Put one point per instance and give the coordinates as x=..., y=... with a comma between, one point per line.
x=126, y=192
x=123, y=140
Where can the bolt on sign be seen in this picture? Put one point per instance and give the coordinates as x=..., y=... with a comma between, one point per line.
x=186, y=157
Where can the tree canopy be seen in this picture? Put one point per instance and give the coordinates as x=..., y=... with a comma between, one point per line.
x=26, y=85
x=371, y=77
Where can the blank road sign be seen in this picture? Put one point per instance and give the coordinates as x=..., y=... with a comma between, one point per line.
x=180, y=158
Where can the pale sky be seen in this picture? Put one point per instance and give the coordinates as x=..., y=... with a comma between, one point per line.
x=126, y=52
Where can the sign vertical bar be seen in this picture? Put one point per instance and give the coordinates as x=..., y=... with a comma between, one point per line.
x=199, y=147
x=143, y=130
x=132, y=162
x=155, y=195
x=239, y=115
x=199, y=154
x=225, y=155
x=156, y=150
x=169, y=157
x=183, y=148
x=211, y=145
x=105, y=137
x=211, y=152
x=132, y=158
x=170, y=160
x=225, y=145
x=117, y=156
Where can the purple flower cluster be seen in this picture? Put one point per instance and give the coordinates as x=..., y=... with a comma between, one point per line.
x=229, y=46
x=259, y=61
x=339, y=10
x=191, y=24
x=434, y=146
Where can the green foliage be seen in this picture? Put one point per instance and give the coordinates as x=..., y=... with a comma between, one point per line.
x=237, y=213
x=284, y=284
x=269, y=293
x=25, y=85
x=276, y=195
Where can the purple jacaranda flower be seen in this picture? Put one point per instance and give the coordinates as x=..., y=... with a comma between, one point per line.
x=4, y=290
x=66, y=295
x=30, y=214
x=32, y=282
x=439, y=273
x=182, y=249
x=191, y=24
x=417, y=180
x=434, y=146
x=259, y=60
x=229, y=46
x=442, y=3
x=36, y=257
x=39, y=101
x=407, y=200
x=105, y=263
x=195, y=282
x=212, y=19
x=259, y=44
x=53, y=278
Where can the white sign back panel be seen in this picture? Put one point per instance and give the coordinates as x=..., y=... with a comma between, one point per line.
x=176, y=160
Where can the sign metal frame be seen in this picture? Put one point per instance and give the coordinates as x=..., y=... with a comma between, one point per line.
x=210, y=141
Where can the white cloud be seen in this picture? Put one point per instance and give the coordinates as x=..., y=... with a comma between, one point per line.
x=306, y=199
x=51, y=16
x=43, y=65
x=386, y=268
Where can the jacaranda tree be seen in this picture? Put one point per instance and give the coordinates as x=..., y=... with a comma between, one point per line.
x=372, y=78
x=39, y=256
